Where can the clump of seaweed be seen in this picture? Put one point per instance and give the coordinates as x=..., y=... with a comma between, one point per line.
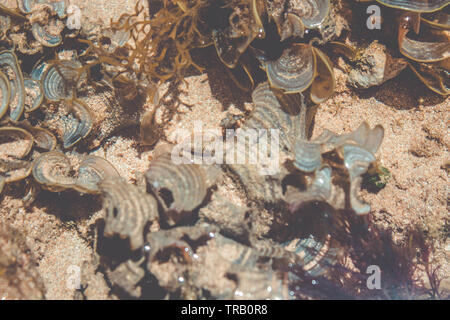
x=249, y=33
x=153, y=47
x=316, y=239
x=156, y=46
x=402, y=262
x=181, y=189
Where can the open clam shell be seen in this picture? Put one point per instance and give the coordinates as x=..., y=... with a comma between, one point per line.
x=92, y=171
x=53, y=171
x=10, y=67
x=15, y=142
x=294, y=71
x=422, y=51
x=43, y=138
x=312, y=12
x=60, y=79
x=5, y=91
x=79, y=127
x=45, y=37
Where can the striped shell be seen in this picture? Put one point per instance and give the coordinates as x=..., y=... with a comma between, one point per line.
x=128, y=210
x=45, y=37
x=43, y=138
x=61, y=79
x=294, y=71
x=416, y=5
x=92, y=171
x=54, y=172
x=5, y=94
x=308, y=155
x=294, y=17
x=257, y=179
x=9, y=66
x=357, y=150
x=181, y=188
x=79, y=127
x=316, y=257
x=49, y=35
x=27, y=6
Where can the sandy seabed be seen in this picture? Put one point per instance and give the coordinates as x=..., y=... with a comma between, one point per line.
x=415, y=149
